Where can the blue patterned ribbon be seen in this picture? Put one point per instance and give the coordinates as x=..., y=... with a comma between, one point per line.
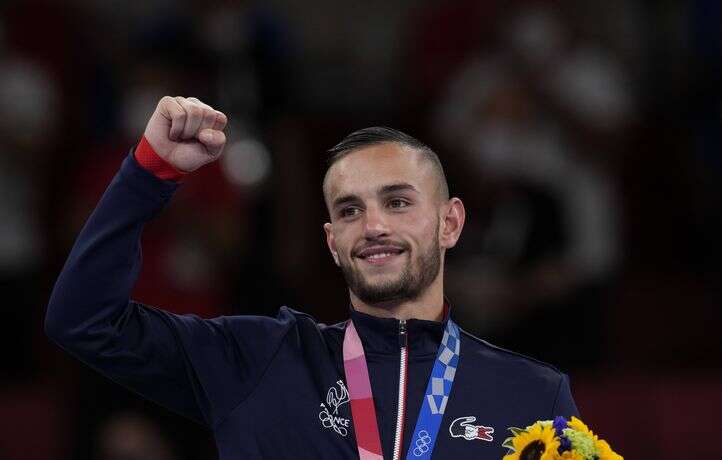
x=438, y=391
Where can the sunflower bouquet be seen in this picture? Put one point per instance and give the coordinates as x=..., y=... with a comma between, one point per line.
x=560, y=439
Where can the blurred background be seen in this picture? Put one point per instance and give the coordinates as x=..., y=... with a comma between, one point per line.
x=585, y=138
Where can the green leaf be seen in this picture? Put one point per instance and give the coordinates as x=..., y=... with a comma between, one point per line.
x=508, y=444
x=515, y=431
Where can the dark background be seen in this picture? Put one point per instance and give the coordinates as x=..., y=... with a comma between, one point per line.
x=583, y=136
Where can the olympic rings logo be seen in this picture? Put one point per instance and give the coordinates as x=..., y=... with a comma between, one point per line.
x=422, y=443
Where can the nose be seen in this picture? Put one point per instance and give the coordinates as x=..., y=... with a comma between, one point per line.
x=375, y=224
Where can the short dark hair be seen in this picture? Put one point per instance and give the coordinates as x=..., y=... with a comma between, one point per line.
x=379, y=135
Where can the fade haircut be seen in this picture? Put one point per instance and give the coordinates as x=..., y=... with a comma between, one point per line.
x=379, y=135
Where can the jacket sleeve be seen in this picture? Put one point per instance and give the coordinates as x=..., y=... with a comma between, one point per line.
x=199, y=368
x=564, y=404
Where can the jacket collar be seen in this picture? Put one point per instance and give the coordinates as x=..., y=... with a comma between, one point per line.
x=381, y=335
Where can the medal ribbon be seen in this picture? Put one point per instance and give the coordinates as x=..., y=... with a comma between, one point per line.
x=438, y=390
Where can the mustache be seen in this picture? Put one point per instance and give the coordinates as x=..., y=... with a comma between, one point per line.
x=380, y=242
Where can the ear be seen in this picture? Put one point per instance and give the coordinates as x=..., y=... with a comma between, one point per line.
x=330, y=241
x=452, y=222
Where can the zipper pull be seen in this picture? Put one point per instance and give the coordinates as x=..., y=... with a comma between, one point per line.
x=403, y=337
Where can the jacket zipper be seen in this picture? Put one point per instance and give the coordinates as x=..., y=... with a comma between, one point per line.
x=403, y=368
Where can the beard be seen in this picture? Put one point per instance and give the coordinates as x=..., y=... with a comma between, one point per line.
x=413, y=280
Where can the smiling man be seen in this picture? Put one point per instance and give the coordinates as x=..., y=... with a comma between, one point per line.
x=398, y=379
x=391, y=223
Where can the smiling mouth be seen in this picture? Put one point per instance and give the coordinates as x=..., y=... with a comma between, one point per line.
x=379, y=255
x=380, y=259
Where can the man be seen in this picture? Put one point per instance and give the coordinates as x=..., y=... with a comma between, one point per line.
x=399, y=379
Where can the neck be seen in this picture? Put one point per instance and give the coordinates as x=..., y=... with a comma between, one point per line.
x=428, y=306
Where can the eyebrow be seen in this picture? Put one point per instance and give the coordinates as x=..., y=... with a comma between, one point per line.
x=400, y=187
x=383, y=190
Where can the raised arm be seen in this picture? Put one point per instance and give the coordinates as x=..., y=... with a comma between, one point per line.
x=199, y=368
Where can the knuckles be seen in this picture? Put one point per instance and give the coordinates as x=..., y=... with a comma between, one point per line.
x=194, y=110
x=190, y=108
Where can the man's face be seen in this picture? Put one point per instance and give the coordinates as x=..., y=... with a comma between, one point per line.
x=385, y=213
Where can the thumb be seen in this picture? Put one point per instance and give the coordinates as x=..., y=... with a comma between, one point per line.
x=213, y=140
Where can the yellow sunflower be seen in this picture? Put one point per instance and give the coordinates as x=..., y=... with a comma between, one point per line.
x=537, y=443
x=605, y=451
x=578, y=425
x=569, y=455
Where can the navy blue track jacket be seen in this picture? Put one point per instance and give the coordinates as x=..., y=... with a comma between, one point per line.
x=275, y=387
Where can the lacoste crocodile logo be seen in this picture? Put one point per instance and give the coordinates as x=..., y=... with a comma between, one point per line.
x=462, y=428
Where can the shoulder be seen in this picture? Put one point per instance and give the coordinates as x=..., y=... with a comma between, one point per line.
x=300, y=322
x=238, y=325
x=503, y=362
x=287, y=319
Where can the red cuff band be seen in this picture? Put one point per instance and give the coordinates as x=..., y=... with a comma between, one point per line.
x=148, y=159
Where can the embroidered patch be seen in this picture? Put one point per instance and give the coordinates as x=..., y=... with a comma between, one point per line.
x=463, y=427
x=335, y=398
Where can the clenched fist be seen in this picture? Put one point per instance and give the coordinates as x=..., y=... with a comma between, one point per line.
x=186, y=133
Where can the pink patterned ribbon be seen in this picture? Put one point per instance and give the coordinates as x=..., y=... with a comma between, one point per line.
x=363, y=411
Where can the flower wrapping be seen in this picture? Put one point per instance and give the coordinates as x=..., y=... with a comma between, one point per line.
x=558, y=439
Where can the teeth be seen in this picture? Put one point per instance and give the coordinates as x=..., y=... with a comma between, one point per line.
x=379, y=256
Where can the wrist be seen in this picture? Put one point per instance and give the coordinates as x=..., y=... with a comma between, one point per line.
x=147, y=157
